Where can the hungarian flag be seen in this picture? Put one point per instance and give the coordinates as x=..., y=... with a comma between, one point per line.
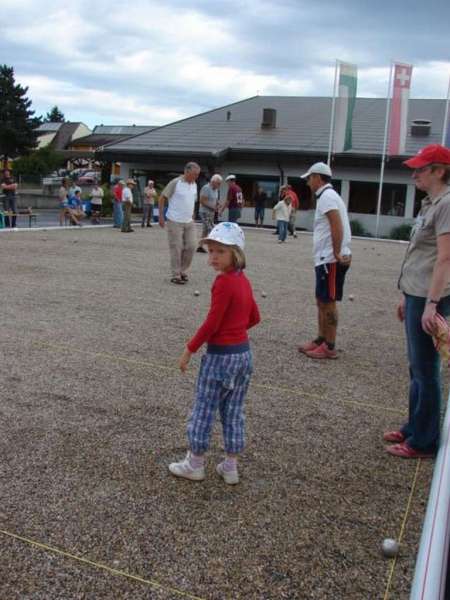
x=345, y=105
x=399, y=109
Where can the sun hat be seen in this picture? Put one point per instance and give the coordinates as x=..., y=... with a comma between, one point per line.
x=318, y=168
x=226, y=233
x=131, y=182
x=433, y=153
x=230, y=177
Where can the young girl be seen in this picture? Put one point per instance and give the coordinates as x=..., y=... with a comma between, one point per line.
x=226, y=367
x=282, y=212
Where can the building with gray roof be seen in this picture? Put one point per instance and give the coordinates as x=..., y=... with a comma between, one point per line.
x=269, y=140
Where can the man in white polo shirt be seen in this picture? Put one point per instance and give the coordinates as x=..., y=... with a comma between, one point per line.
x=181, y=194
x=332, y=257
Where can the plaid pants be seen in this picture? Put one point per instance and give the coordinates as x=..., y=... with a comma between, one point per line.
x=222, y=384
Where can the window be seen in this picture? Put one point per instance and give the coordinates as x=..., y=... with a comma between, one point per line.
x=251, y=183
x=363, y=198
x=304, y=193
x=420, y=195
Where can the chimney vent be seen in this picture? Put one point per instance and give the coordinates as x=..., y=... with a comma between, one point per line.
x=269, y=120
x=420, y=127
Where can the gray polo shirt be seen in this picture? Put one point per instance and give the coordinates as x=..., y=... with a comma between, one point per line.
x=432, y=221
x=213, y=198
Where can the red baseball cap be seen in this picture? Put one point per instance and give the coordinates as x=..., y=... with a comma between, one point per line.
x=432, y=154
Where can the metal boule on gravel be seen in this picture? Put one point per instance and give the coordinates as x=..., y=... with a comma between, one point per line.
x=351, y=297
x=196, y=293
x=263, y=294
x=390, y=547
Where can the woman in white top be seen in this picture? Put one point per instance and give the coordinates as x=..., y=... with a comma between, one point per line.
x=96, y=202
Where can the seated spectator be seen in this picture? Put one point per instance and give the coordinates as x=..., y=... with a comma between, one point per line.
x=75, y=208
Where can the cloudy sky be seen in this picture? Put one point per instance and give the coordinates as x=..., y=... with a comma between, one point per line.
x=150, y=63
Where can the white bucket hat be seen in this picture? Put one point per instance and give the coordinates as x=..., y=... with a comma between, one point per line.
x=229, y=234
x=318, y=168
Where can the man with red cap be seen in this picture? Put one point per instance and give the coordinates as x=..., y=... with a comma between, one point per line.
x=425, y=283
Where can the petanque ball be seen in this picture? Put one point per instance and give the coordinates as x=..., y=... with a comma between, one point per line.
x=263, y=294
x=390, y=547
x=196, y=293
x=351, y=297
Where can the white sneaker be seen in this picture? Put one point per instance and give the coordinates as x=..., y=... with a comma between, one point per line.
x=230, y=477
x=185, y=469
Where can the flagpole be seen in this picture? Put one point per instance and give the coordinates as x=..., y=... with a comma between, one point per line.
x=444, y=131
x=383, y=158
x=333, y=108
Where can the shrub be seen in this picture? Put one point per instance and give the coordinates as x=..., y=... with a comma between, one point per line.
x=358, y=229
x=402, y=232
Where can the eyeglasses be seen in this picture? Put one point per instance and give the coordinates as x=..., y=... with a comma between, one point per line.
x=422, y=169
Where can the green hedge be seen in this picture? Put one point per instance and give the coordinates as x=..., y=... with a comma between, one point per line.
x=402, y=232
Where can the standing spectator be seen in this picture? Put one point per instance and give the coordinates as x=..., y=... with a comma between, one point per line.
x=282, y=212
x=117, y=206
x=96, y=202
x=181, y=194
x=425, y=283
x=127, y=201
x=63, y=194
x=9, y=187
x=332, y=257
x=209, y=202
x=259, y=199
x=295, y=203
x=149, y=202
x=234, y=201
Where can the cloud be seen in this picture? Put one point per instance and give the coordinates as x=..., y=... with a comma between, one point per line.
x=154, y=62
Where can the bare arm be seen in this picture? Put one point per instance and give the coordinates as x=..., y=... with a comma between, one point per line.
x=337, y=232
x=439, y=281
x=161, y=204
x=203, y=200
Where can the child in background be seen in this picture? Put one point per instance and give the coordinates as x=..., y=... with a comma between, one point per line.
x=226, y=367
x=282, y=212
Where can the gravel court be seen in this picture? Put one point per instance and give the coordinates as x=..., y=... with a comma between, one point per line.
x=79, y=429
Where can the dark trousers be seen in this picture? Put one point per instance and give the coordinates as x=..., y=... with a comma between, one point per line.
x=10, y=205
x=126, y=225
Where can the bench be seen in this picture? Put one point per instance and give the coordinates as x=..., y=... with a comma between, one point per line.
x=32, y=218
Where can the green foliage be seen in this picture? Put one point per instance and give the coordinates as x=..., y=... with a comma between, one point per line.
x=358, y=229
x=402, y=232
x=54, y=116
x=40, y=162
x=17, y=125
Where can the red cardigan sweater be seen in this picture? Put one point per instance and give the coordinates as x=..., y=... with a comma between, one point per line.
x=233, y=311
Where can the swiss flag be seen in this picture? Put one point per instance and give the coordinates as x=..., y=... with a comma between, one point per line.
x=399, y=109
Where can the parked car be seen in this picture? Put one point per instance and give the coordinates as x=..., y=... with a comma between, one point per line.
x=88, y=177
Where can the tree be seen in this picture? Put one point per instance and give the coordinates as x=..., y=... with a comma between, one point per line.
x=40, y=162
x=54, y=116
x=17, y=125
